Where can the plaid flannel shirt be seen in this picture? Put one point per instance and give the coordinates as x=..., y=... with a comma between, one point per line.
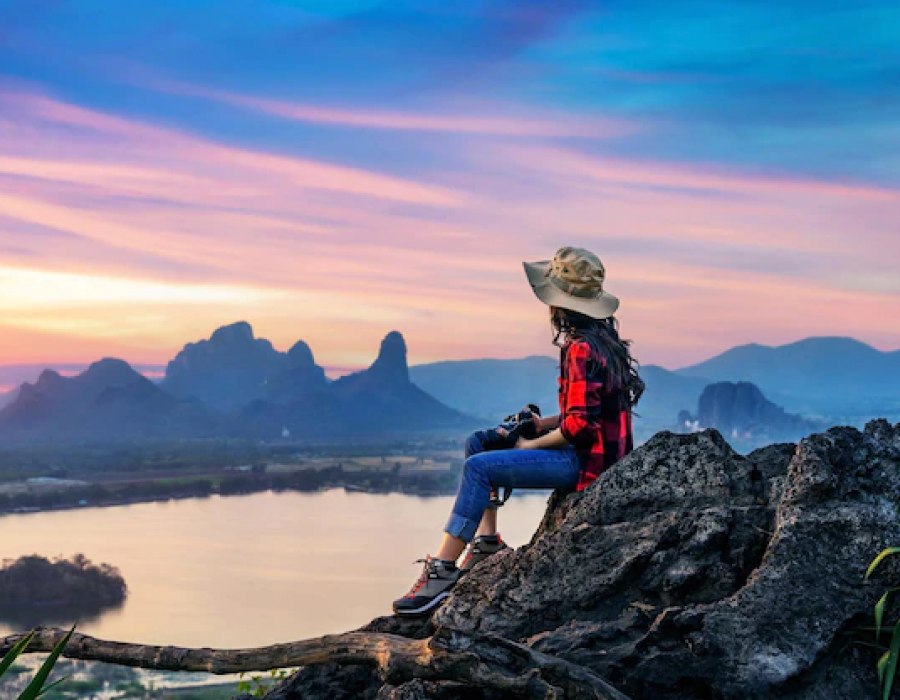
x=593, y=418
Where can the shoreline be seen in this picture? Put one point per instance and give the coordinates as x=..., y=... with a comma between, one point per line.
x=160, y=498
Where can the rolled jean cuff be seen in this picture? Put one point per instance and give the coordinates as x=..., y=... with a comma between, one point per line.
x=463, y=528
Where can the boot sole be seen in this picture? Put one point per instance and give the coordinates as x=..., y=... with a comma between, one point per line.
x=425, y=608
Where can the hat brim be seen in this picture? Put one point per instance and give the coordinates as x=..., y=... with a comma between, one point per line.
x=603, y=306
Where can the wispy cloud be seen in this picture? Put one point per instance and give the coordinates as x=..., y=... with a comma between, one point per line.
x=188, y=232
x=457, y=120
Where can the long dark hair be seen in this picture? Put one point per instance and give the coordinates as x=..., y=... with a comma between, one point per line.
x=602, y=335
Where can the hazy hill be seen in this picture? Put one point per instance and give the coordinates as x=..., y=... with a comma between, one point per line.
x=108, y=401
x=832, y=376
x=491, y=389
x=8, y=397
x=230, y=385
x=226, y=371
x=380, y=400
x=744, y=415
x=18, y=374
x=251, y=389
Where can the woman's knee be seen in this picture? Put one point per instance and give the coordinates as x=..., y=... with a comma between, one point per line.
x=475, y=469
x=473, y=445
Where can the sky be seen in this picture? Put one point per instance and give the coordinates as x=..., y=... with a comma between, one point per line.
x=332, y=171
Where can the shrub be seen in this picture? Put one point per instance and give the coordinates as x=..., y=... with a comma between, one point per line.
x=36, y=687
x=887, y=664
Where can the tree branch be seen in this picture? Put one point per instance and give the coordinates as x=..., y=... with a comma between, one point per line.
x=483, y=661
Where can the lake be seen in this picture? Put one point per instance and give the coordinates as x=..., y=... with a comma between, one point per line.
x=243, y=571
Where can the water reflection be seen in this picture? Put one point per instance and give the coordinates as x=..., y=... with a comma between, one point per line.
x=249, y=570
x=26, y=617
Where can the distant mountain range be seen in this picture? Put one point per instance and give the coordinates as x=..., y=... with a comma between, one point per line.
x=494, y=388
x=231, y=385
x=107, y=401
x=831, y=380
x=831, y=376
x=234, y=384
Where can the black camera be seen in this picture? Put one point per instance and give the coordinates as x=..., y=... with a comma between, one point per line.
x=516, y=425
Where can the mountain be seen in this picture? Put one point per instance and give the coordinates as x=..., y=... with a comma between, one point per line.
x=834, y=376
x=226, y=371
x=108, y=401
x=232, y=385
x=381, y=400
x=8, y=397
x=492, y=389
x=665, y=393
x=300, y=378
x=745, y=415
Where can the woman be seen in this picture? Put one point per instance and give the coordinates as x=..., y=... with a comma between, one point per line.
x=598, y=387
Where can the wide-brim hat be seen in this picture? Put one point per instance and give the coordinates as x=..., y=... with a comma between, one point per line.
x=573, y=280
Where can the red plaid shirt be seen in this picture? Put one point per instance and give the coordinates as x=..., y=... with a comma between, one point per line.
x=595, y=419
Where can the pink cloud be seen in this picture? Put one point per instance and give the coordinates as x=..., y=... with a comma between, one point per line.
x=460, y=120
x=338, y=256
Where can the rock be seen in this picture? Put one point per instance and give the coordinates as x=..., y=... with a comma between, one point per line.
x=300, y=356
x=382, y=400
x=390, y=365
x=677, y=523
x=226, y=371
x=740, y=411
x=689, y=571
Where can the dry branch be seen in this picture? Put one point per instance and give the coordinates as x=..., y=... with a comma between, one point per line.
x=482, y=661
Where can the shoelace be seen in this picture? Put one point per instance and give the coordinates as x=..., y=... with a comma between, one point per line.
x=423, y=577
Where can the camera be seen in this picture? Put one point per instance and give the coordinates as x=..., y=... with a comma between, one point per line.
x=515, y=425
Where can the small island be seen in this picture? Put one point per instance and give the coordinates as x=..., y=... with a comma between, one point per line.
x=34, y=581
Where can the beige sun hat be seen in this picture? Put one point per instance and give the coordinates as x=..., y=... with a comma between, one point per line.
x=573, y=280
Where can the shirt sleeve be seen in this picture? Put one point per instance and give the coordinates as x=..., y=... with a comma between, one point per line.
x=579, y=425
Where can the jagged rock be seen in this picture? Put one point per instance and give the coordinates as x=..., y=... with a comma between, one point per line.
x=391, y=364
x=382, y=399
x=689, y=571
x=226, y=371
x=302, y=381
x=300, y=356
x=679, y=522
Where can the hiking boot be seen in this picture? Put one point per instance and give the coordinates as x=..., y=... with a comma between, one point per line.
x=480, y=549
x=432, y=587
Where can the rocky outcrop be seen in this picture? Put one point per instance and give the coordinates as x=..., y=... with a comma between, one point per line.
x=226, y=371
x=689, y=571
x=377, y=401
x=301, y=380
x=745, y=416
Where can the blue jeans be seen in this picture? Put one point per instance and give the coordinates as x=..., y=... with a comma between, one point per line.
x=484, y=471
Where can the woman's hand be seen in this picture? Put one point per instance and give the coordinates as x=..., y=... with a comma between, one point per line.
x=521, y=443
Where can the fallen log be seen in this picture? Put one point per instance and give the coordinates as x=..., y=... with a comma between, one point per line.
x=477, y=660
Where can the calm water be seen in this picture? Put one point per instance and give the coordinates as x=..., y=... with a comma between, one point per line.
x=252, y=570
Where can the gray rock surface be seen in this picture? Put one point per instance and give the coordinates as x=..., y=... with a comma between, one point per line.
x=689, y=571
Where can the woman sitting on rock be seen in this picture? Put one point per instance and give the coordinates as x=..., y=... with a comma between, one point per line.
x=598, y=387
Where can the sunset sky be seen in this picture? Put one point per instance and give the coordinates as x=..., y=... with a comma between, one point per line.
x=334, y=170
